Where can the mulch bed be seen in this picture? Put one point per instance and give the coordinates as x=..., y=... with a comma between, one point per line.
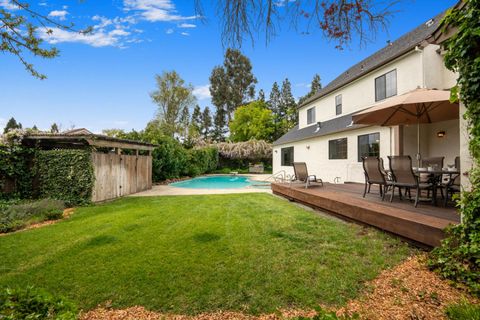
x=407, y=291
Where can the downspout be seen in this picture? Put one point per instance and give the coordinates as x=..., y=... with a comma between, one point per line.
x=420, y=50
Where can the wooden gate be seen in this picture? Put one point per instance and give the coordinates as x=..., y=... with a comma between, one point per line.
x=118, y=175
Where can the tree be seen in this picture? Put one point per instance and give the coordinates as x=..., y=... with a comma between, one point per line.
x=288, y=107
x=233, y=83
x=339, y=20
x=35, y=128
x=315, y=86
x=18, y=33
x=197, y=117
x=252, y=121
x=12, y=125
x=219, y=122
x=184, y=122
x=274, y=105
x=206, y=123
x=172, y=96
x=261, y=95
x=54, y=128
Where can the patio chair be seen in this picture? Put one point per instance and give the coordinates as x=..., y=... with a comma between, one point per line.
x=372, y=167
x=403, y=177
x=452, y=184
x=301, y=175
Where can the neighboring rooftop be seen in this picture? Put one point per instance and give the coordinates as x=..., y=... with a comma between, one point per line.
x=343, y=123
x=392, y=51
x=82, y=138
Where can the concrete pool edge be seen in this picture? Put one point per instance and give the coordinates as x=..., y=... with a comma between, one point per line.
x=167, y=190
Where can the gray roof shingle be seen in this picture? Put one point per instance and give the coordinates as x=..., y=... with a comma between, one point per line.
x=343, y=123
x=393, y=50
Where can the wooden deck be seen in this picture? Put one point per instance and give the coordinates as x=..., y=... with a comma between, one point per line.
x=423, y=224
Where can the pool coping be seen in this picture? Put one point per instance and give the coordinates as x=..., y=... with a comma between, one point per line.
x=168, y=190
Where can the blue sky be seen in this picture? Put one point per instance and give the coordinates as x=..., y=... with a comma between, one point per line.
x=103, y=81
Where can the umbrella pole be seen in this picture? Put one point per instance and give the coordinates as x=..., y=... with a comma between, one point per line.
x=418, y=144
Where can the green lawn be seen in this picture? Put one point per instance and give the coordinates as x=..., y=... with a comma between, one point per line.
x=189, y=254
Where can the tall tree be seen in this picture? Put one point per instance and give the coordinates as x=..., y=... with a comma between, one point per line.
x=54, y=128
x=184, y=122
x=11, y=125
x=233, y=83
x=219, y=123
x=172, y=96
x=274, y=104
x=261, y=95
x=206, y=123
x=288, y=107
x=197, y=117
x=315, y=86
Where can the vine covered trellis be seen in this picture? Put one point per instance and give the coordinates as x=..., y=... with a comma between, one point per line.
x=458, y=257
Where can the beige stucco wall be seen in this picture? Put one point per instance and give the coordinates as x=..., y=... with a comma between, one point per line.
x=316, y=156
x=430, y=144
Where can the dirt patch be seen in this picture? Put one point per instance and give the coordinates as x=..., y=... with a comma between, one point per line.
x=407, y=291
x=66, y=214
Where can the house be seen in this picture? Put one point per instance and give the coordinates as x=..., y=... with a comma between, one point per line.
x=332, y=145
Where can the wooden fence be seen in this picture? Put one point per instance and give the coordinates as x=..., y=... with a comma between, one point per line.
x=118, y=175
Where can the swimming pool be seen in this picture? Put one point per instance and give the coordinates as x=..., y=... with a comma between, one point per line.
x=216, y=182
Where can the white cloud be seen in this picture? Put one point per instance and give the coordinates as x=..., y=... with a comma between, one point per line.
x=187, y=25
x=95, y=39
x=186, y=34
x=155, y=10
x=169, y=31
x=43, y=4
x=119, y=32
x=60, y=14
x=8, y=5
x=3, y=123
x=202, y=92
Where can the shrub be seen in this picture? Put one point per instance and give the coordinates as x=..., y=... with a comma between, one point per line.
x=17, y=216
x=66, y=175
x=168, y=159
x=200, y=161
x=32, y=303
x=463, y=311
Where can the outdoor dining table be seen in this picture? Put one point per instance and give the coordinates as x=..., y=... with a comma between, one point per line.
x=436, y=178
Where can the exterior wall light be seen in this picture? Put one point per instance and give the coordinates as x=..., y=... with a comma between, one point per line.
x=308, y=147
x=441, y=134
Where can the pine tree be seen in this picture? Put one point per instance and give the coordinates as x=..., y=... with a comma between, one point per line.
x=274, y=106
x=261, y=96
x=184, y=122
x=54, y=128
x=35, y=128
x=197, y=118
x=12, y=125
x=219, y=122
x=206, y=123
x=288, y=107
x=315, y=86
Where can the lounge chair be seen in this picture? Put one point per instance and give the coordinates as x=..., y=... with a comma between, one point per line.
x=403, y=177
x=302, y=176
x=375, y=174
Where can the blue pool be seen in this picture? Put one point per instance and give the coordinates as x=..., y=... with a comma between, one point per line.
x=214, y=182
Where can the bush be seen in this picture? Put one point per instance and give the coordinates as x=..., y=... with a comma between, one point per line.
x=463, y=311
x=168, y=159
x=17, y=216
x=171, y=160
x=31, y=303
x=66, y=175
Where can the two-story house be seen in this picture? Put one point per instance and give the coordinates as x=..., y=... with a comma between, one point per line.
x=332, y=146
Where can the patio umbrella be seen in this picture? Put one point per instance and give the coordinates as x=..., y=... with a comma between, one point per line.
x=414, y=107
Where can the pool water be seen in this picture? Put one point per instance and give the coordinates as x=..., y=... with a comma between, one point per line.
x=214, y=182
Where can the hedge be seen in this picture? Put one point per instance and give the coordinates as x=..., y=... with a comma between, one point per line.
x=66, y=175
x=171, y=160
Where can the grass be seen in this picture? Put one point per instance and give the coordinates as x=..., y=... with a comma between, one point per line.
x=463, y=311
x=253, y=253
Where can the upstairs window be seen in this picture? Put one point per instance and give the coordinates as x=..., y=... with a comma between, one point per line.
x=368, y=145
x=287, y=156
x=338, y=104
x=311, y=115
x=337, y=149
x=386, y=85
